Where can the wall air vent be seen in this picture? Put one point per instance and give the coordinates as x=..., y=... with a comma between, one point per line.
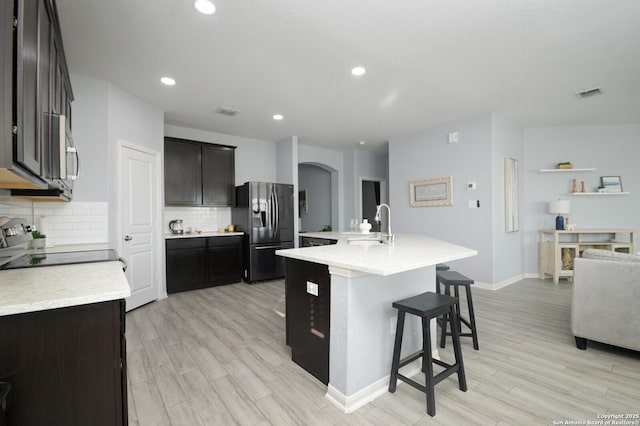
x=227, y=111
x=590, y=92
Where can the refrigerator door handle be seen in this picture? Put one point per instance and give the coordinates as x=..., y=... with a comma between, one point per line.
x=269, y=247
x=272, y=216
x=276, y=211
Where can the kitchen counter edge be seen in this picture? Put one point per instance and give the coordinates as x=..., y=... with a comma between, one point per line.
x=168, y=236
x=38, y=289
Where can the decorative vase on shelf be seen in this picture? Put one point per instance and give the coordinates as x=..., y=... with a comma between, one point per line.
x=365, y=226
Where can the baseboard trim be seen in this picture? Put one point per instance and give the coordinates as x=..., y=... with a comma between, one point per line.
x=350, y=403
x=501, y=284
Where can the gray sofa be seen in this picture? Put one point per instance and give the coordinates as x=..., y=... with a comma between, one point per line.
x=605, y=304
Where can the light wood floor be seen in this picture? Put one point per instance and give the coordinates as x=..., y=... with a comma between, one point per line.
x=217, y=357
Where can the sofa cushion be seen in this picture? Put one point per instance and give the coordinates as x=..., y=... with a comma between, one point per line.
x=610, y=255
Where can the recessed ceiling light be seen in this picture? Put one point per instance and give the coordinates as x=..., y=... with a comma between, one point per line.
x=361, y=143
x=278, y=117
x=168, y=81
x=358, y=71
x=205, y=6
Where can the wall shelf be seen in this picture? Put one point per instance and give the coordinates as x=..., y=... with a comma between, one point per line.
x=599, y=193
x=566, y=170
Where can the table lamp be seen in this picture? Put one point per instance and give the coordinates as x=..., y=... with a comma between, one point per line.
x=559, y=207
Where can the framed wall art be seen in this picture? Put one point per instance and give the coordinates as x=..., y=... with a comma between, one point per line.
x=431, y=192
x=611, y=183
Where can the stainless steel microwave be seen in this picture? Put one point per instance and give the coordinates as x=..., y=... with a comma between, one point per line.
x=65, y=162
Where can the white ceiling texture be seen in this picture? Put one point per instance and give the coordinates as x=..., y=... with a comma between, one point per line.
x=428, y=62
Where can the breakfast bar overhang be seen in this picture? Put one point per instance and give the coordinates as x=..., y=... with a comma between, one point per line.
x=365, y=278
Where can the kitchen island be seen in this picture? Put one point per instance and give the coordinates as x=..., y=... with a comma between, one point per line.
x=363, y=278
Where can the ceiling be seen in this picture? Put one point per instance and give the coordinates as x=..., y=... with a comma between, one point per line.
x=428, y=63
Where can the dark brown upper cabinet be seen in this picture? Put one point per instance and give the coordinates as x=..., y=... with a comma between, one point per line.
x=198, y=174
x=218, y=175
x=35, y=84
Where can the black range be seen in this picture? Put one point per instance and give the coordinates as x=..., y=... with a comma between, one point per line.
x=32, y=260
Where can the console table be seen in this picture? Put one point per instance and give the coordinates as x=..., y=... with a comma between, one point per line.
x=559, y=248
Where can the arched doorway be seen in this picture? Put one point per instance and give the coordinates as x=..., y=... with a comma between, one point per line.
x=318, y=207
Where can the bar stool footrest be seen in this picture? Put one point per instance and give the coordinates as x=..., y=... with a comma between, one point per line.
x=410, y=358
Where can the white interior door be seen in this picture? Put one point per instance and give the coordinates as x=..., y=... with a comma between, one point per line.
x=138, y=206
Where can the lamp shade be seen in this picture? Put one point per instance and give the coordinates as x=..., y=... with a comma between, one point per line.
x=560, y=207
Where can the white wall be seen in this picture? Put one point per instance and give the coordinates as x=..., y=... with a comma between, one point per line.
x=508, y=249
x=90, y=132
x=428, y=155
x=611, y=150
x=255, y=159
x=134, y=121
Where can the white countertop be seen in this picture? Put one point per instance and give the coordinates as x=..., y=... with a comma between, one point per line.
x=406, y=253
x=50, y=287
x=169, y=236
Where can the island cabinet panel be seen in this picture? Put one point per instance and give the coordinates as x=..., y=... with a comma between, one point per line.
x=66, y=366
x=308, y=297
x=199, y=262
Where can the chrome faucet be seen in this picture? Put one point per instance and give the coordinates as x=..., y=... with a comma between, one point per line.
x=389, y=237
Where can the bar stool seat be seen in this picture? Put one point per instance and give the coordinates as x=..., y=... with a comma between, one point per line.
x=455, y=279
x=427, y=306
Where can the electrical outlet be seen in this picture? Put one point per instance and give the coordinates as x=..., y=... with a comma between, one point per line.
x=312, y=288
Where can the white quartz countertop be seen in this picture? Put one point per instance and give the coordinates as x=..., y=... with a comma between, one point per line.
x=169, y=236
x=406, y=253
x=51, y=287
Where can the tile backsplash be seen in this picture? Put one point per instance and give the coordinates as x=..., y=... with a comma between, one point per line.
x=64, y=223
x=198, y=218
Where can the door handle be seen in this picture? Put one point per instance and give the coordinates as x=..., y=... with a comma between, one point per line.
x=128, y=238
x=268, y=247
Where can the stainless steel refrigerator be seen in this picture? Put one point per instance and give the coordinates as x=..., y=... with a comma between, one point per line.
x=264, y=212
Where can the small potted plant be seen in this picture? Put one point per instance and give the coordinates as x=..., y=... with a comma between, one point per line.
x=39, y=240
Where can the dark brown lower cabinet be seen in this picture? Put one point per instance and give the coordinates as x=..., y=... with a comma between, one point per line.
x=186, y=264
x=66, y=366
x=199, y=262
x=308, y=316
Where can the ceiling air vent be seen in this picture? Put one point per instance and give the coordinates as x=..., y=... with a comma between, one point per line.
x=590, y=92
x=227, y=111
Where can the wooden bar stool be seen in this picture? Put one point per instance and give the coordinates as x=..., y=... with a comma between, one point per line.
x=456, y=279
x=441, y=267
x=427, y=306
